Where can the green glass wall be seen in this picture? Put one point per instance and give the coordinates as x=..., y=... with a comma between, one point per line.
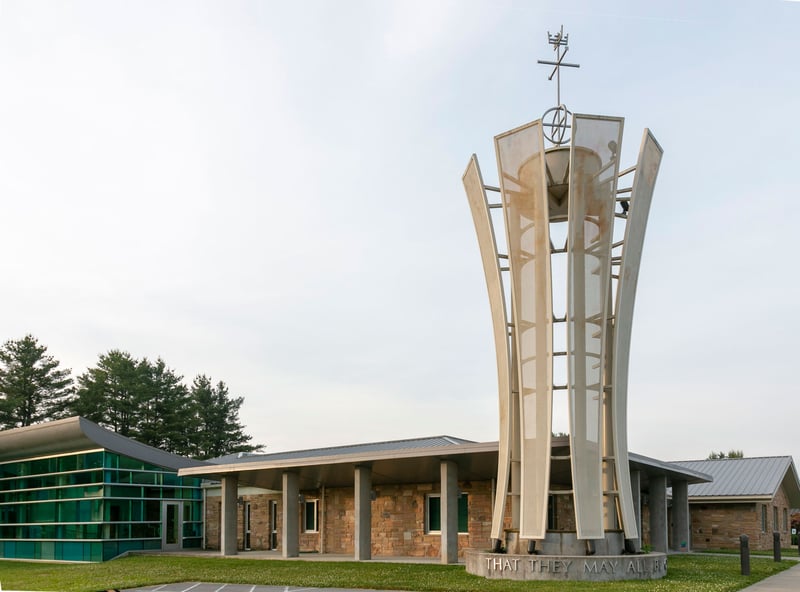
x=91, y=506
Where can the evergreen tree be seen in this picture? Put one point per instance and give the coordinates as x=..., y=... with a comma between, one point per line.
x=165, y=410
x=149, y=402
x=219, y=430
x=729, y=454
x=32, y=386
x=110, y=393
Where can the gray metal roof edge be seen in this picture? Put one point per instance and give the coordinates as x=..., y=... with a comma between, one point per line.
x=304, y=452
x=670, y=467
x=794, y=482
x=745, y=458
x=74, y=434
x=357, y=457
x=130, y=447
x=784, y=475
x=695, y=498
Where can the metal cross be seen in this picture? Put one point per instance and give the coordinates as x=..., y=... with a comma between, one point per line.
x=558, y=41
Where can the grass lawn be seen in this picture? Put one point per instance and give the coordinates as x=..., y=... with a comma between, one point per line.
x=689, y=573
x=790, y=552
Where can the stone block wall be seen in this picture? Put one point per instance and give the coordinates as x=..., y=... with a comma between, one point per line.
x=719, y=525
x=259, y=520
x=398, y=520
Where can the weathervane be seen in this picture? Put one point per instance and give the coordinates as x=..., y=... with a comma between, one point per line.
x=559, y=114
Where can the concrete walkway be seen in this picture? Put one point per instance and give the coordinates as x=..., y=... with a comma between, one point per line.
x=786, y=581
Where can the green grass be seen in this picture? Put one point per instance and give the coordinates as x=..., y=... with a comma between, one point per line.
x=689, y=573
x=790, y=552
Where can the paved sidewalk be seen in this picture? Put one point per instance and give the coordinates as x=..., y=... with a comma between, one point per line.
x=786, y=581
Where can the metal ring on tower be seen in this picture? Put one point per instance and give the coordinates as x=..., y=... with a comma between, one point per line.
x=555, y=128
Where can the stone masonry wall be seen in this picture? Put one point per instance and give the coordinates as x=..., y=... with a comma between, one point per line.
x=259, y=520
x=718, y=526
x=398, y=520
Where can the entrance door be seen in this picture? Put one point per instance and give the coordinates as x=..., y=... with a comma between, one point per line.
x=171, y=536
x=247, y=526
x=273, y=525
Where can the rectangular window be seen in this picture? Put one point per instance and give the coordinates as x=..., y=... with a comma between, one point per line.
x=552, y=512
x=433, y=513
x=763, y=518
x=774, y=519
x=310, y=516
x=786, y=520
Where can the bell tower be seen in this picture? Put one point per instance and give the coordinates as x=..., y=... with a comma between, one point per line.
x=560, y=176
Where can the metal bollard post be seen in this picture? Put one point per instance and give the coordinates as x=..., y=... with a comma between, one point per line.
x=744, y=554
x=776, y=546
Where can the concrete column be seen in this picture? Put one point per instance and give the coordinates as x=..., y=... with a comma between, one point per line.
x=290, y=534
x=680, y=516
x=636, y=490
x=227, y=531
x=449, y=507
x=658, y=512
x=363, y=503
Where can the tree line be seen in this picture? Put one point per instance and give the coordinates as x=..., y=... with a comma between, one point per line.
x=138, y=398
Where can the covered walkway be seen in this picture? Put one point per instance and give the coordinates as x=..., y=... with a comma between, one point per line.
x=446, y=464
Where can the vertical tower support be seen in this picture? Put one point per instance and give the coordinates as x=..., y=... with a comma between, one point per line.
x=578, y=185
x=593, y=170
x=523, y=183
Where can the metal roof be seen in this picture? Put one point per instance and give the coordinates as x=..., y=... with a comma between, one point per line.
x=75, y=434
x=408, y=444
x=738, y=478
x=400, y=461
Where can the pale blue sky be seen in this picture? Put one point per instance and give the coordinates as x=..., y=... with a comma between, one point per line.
x=270, y=193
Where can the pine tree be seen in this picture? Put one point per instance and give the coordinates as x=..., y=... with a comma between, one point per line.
x=110, y=393
x=165, y=418
x=32, y=386
x=219, y=430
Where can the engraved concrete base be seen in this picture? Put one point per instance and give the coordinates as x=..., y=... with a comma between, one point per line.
x=593, y=568
x=566, y=543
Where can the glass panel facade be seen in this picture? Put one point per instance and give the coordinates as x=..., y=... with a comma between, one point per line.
x=91, y=506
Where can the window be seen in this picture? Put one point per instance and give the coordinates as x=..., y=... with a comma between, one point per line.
x=786, y=520
x=763, y=518
x=310, y=516
x=433, y=513
x=552, y=513
x=774, y=519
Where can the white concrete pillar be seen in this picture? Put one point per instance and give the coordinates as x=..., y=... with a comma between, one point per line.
x=363, y=508
x=228, y=516
x=290, y=534
x=658, y=513
x=681, y=534
x=449, y=511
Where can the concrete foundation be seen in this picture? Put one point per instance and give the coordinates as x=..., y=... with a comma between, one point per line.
x=566, y=543
x=594, y=568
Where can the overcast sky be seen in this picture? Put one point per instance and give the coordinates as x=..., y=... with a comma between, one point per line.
x=270, y=193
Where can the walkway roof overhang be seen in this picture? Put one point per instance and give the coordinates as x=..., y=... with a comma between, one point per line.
x=652, y=466
x=78, y=434
x=476, y=461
